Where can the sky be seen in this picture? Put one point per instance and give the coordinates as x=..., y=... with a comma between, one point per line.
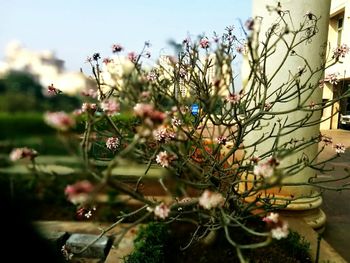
x=75, y=29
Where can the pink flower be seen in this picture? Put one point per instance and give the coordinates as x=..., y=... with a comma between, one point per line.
x=279, y=228
x=117, y=48
x=221, y=140
x=312, y=105
x=78, y=193
x=162, y=211
x=90, y=93
x=164, y=159
x=209, y=200
x=88, y=107
x=52, y=90
x=249, y=24
x=163, y=135
x=339, y=148
x=263, y=169
x=233, y=98
x=110, y=107
x=204, y=43
x=112, y=143
x=107, y=60
x=332, y=79
x=176, y=122
x=340, y=51
x=271, y=218
x=267, y=168
x=132, y=56
x=59, y=120
x=147, y=111
x=152, y=76
x=21, y=153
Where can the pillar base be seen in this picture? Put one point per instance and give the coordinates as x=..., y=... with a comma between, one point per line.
x=314, y=218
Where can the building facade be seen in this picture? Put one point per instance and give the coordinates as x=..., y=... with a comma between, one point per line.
x=338, y=34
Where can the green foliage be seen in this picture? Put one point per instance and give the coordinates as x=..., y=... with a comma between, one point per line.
x=149, y=244
x=296, y=246
x=22, y=124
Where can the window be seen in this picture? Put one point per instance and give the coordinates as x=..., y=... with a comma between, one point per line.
x=339, y=29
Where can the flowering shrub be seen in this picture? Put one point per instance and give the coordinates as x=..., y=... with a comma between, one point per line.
x=190, y=120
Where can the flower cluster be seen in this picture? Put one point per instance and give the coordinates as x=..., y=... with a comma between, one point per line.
x=78, y=193
x=278, y=227
x=59, y=120
x=21, y=153
x=209, y=200
x=266, y=169
x=112, y=143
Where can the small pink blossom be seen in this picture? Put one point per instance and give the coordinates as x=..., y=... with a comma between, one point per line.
x=59, y=120
x=164, y=159
x=51, y=90
x=271, y=218
x=312, y=105
x=209, y=199
x=204, y=43
x=162, y=211
x=21, y=153
x=266, y=169
x=107, y=60
x=332, y=79
x=233, y=98
x=163, y=135
x=112, y=143
x=249, y=24
x=78, y=193
x=110, y=107
x=90, y=93
x=117, y=48
x=132, y=56
x=176, y=122
x=340, y=51
x=339, y=148
x=88, y=107
x=182, y=73
x=152, y=76
x=147, y=111
x=278, y=228
x=221, y=140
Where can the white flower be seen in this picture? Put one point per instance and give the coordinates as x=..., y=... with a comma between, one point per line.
x=339, y=148
x=263, y=169
x=209, y=199
x=164, y=159
x=280, y=232
x=20, y=153
x=161, y=211
x=272, y=217
x=112, y=143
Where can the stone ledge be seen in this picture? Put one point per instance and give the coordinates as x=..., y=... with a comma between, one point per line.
x=116, y=254
x=327, y=252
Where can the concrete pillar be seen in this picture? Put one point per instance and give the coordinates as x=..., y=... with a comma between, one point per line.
x=313, y=51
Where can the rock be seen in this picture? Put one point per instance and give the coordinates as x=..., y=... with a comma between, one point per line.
x=76, y=242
